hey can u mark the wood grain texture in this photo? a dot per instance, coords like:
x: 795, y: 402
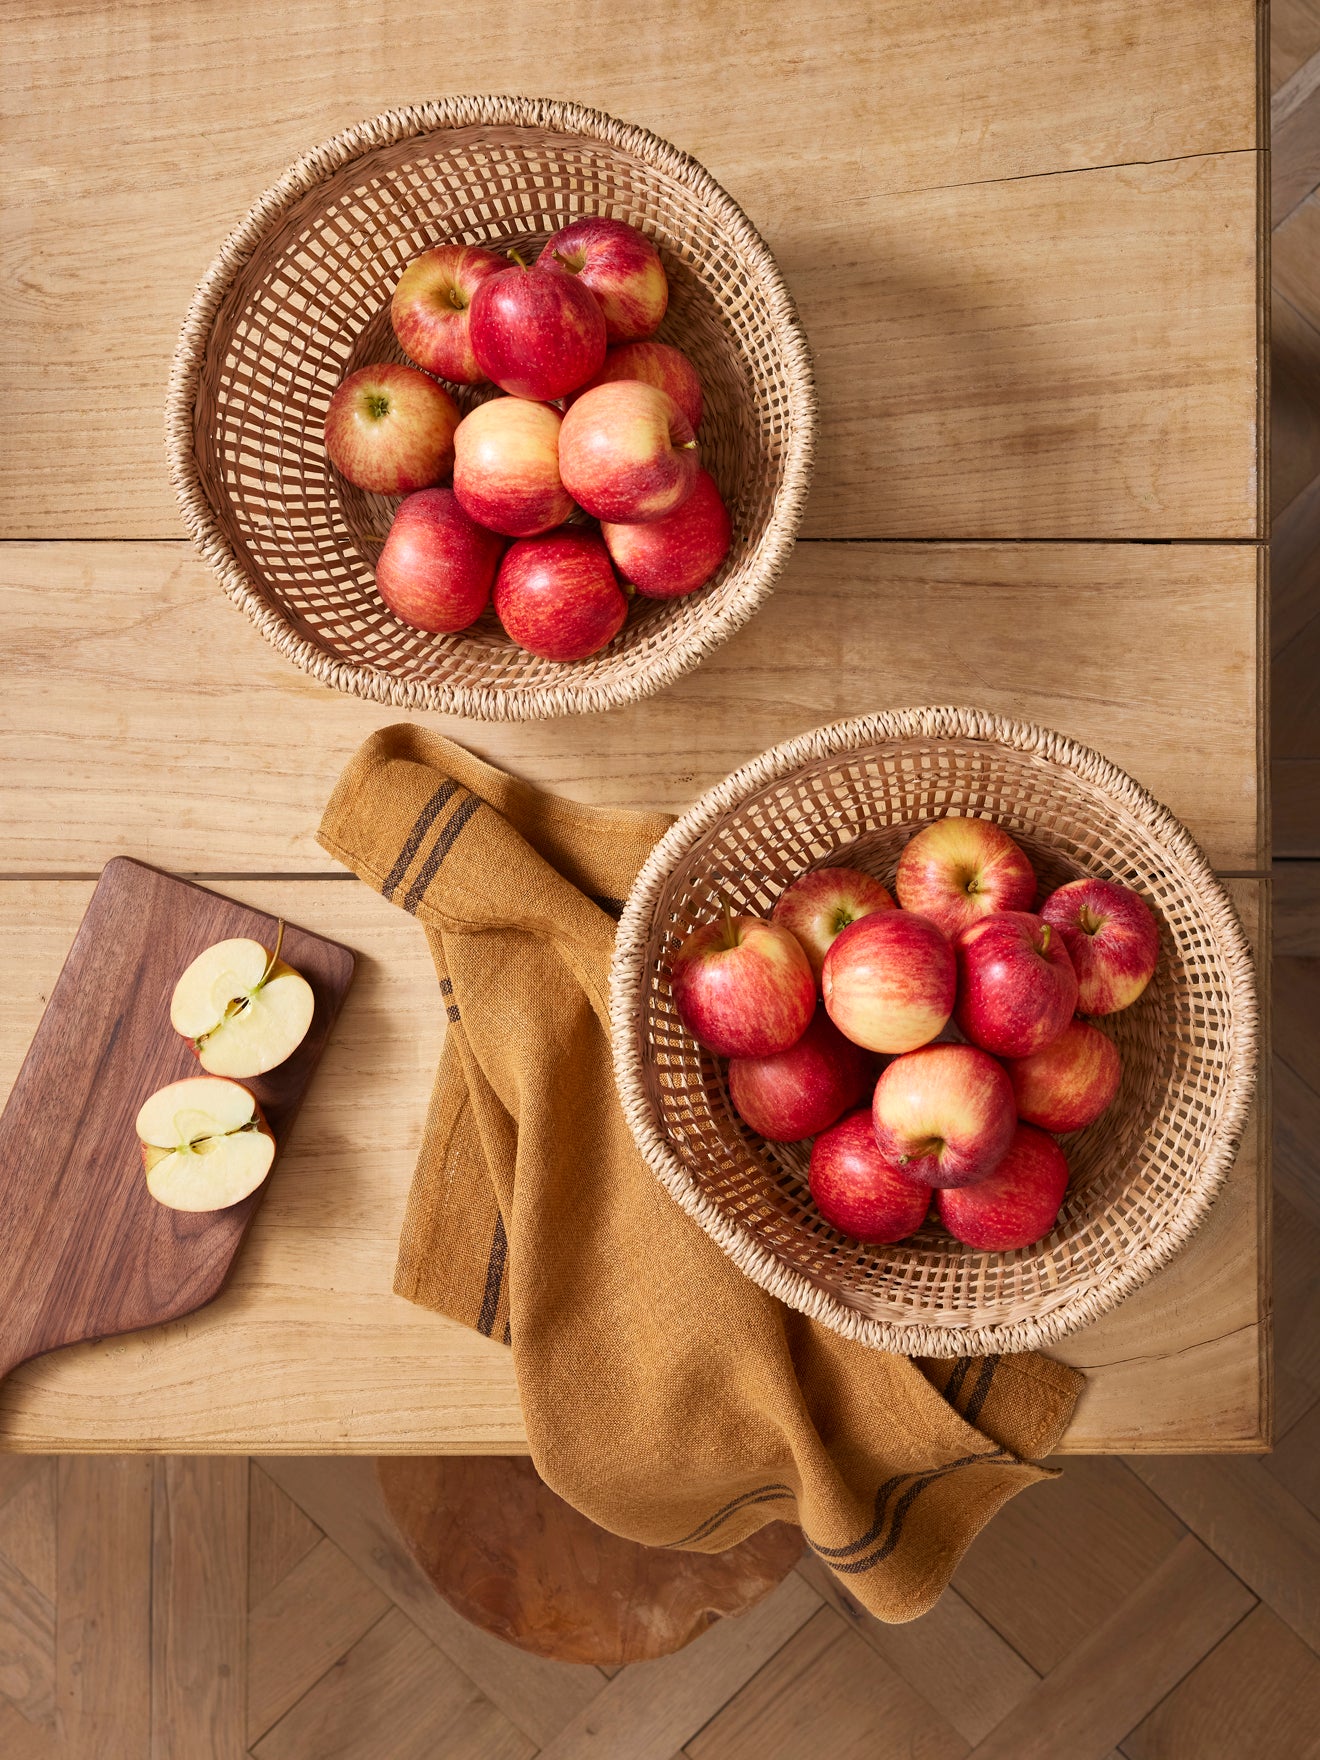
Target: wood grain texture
x: 27, y: 1529
x: 1058, y: 634
x: 1128, y: 1664
x: 279, y: 1536
x: 394, y: 1681
x: 516, y: 1560
x: 1256, y: 1693
x: 344, y: 1497
x: 1128, y: 306
x: 825, y: 1692
x: 103, y: 1638
x: 370, y: 1373
x: 88, y: 1252
x: 199, y: 1626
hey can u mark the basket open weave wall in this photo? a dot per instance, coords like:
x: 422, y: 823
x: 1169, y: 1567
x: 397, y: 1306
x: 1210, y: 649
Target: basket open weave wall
x: 299, y: 296
x: 1143, y: 1176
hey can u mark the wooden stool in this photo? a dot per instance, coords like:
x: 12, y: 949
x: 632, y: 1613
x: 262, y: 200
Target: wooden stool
x: 520, y: 1562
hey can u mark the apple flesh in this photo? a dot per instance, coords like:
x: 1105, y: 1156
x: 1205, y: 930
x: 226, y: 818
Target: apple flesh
x: 506, y: 467
x: 742, y: 987
x: 1016, y: 985
x: 889, y: 981
x: 795, y: 1093
x: 390, y: 430
x: 1018, y: 1204
x: 860, y: 1193
x: 678, y: 552
x: 654, y: 363
x: 205, y: 1144
x: 960, y: 869
x: 621, y: 267
x: 437, y: 567
x: 431, y: 309
x: 1112, y: 938
x: 626, y: 453
x: 1067, y: 1085
x: 537, y: 335
x: 817, y: 908
x: 242, y: 1009
x: 557, y: 596
x: 944, y: 1115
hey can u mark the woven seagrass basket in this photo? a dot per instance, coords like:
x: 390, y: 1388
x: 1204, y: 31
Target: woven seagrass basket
x: 299, y: 296
x: 1143, y: 1175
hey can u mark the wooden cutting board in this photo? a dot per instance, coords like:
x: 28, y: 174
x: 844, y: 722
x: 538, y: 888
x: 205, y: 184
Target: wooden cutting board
x: 85, y: 1250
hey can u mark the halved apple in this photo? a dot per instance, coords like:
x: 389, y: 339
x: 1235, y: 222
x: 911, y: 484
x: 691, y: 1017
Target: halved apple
x: 204, y: 1142
x: 243, y: 1008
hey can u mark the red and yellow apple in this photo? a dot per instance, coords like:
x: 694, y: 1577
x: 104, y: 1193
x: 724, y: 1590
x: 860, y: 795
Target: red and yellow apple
x: 680, y: 551
x: 1016, y: 986
x: 557, y: 596
x: 857, y: 1191
x: 819, y: 906
x: 506, y: 467
x: 889, y: 981
x: 795, y: 1093
x: 390, y: 429
x: 432, y: 306
x: 621, y: 267
x: 242, y: 1009
x: 944, y: 1115
x: 1067, y: 1084
x: 1112, y: 937
x: 437, y: 567
x: 959, y: 869
x: 1017, y: 1204
x: 742, y: 987
x: 626, y: 453
x: 537, y: 335
x: 655, y: 363
x: 205, y: 1144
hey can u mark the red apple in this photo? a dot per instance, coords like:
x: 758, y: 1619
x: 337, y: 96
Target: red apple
x: 431, y: 309
x: 889, y: 981
x: 1016, y: 985
x: 678, y: 552
x: 957, y: 870
x: 1067, y: 1085
x: 621, y: 267
x: 558, y: 597
x: 819, y: 907
x: 795, y: 1093
x: 626, y: 452
x: 944, y: 1115
x: 742, y: 987
x: 506, y: 467
x: 857, y: 1191
x: 535, y: 334
x: 390, y: 430
x: 655, y: 363
x: 1112, y: 937
x: 437, y: 567
x: 1017, y: 1204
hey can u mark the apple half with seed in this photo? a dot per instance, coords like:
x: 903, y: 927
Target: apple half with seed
x: 243, y: 1009
x: 205, y: 1144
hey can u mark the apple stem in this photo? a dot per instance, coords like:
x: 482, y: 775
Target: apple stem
x: 518, y: 258
x: 730, y: 932
x: 688, y: 446
x: 1045, y: 938
x: 273, y: 961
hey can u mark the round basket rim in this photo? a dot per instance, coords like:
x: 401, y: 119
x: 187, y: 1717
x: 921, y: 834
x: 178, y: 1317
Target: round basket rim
x: 917, y: 1338
x: 533, y: 701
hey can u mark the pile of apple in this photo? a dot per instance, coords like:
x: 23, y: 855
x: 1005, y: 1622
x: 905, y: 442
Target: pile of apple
x: 596, y: 421
x: 966, y: 1122
x: 205, y: 1141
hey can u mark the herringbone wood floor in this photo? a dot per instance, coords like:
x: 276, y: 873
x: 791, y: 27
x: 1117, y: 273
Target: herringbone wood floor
x: 1161, y: 1609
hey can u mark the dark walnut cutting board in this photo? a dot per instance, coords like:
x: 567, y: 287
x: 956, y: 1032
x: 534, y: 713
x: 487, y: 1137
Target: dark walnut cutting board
x: 85, y: 1250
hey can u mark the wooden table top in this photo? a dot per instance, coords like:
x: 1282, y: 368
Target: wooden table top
x: 1027, y: 246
